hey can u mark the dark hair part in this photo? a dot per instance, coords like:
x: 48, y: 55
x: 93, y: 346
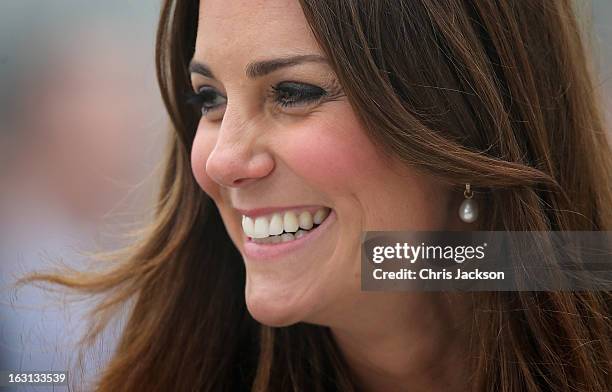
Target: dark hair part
x: 494, y: 93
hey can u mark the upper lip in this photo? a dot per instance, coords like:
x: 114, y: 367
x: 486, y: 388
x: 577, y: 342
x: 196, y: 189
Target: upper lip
x: 255, y: 212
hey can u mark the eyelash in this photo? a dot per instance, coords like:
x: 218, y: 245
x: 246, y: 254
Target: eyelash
x: 284, y: 94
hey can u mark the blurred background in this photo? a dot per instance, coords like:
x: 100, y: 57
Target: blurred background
x: 82, y: 130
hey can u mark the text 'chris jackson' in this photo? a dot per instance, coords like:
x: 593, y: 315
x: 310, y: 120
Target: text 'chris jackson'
x: 429, y: 274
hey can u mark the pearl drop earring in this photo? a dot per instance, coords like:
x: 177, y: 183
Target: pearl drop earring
x: 468, y: 210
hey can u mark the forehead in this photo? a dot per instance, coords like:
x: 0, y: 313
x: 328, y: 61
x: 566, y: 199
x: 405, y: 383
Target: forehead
x: 251, y: 29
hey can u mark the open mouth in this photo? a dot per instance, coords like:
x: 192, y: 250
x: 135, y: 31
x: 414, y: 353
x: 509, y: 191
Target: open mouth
x: 283, y: 226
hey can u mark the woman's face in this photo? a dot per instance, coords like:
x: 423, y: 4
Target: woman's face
x: 279, y: 146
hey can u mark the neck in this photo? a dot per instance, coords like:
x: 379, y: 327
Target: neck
x: 409, y: 341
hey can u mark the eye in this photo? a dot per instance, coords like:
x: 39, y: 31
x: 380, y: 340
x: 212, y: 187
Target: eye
x: 206, y: 99
x: 288, y: 94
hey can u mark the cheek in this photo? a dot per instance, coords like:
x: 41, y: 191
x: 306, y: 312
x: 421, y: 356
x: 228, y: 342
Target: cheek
x: 334, y: 154
x: 331, y: 152
x: 203, y: 145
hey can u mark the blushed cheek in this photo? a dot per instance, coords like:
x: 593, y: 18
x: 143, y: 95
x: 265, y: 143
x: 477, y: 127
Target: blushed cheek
x: 334, y: 154
x: 203, y: 145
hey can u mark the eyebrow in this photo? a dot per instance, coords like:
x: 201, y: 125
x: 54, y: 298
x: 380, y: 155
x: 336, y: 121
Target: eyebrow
x: 261, y: 68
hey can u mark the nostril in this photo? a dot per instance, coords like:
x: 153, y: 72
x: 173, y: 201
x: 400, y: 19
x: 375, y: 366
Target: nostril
x: 234, y: 168
x: 243, y: 181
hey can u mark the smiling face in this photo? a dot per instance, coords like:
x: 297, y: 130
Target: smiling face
x: 279, y: 147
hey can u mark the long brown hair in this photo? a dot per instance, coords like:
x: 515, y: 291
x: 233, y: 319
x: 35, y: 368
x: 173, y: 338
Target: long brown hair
x: 498, y: 94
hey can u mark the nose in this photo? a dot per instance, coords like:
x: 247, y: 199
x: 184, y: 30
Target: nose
x: 238, y: 157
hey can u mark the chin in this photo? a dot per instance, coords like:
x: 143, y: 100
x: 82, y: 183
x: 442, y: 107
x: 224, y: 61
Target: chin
x: 274, y: 309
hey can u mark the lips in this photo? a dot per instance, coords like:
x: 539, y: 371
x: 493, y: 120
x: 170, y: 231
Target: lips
x: 275, y: 246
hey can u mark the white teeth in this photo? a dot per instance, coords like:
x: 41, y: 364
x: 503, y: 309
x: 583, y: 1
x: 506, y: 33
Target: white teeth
x: 320, y: 215
x: 280, y: 223
x: 287, y: 237
x: 306, y: 220
x: 290, y: 222
x: 247, y: 226
x: 262, y: 228
x: 267, y: 240
x: 276, y: 224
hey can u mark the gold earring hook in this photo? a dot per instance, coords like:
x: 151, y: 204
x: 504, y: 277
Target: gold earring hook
x: 467, y: 193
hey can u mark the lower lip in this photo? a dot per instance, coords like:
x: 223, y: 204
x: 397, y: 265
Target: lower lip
x: 255, y: 251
